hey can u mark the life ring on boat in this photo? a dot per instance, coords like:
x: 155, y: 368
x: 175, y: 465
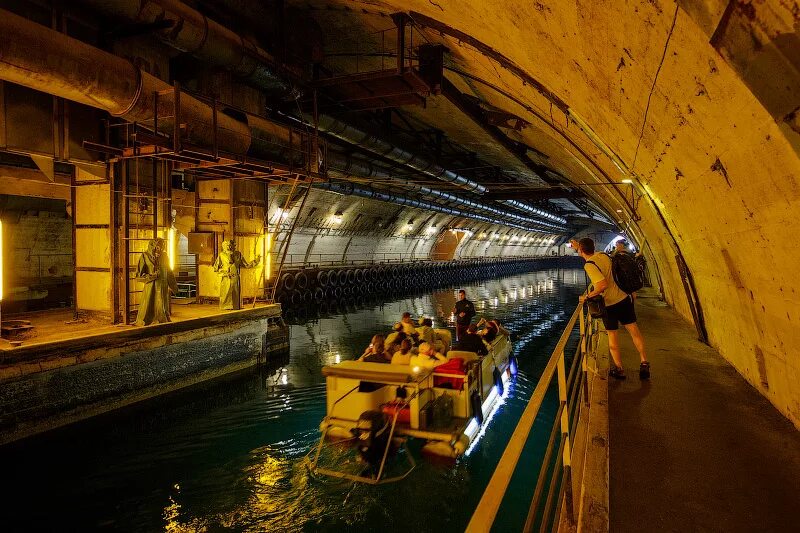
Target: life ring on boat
x: 301, y: 280
x: 477, y: 406
x: 498, y: 381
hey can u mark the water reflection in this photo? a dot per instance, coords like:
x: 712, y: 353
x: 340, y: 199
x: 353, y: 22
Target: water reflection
x: 228, y: 455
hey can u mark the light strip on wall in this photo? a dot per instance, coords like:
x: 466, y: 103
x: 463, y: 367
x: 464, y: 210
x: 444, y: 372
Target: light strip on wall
x: 268, y: 255
x: 171, y: 243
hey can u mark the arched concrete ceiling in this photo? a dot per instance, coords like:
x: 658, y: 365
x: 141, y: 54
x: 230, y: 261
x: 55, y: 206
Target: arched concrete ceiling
x: 695, y: 102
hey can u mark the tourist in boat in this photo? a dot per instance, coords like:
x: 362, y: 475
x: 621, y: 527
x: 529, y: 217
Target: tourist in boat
x: 394, y: 338
x: 375, y: 352
x: 472, y: 342
x: 408, y: 326
x: 425, y: 330
x: 427, y: 357
x: 403, y: 355
x: 442, y: 340
x: 491, y: 330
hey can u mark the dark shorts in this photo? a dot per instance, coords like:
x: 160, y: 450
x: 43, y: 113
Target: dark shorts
x: 619, y: 313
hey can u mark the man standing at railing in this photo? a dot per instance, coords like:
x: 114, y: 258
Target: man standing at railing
x: 464, y: 311
x: 618, y: 306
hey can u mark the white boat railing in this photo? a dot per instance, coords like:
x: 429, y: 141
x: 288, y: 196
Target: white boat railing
x: 555, y: 472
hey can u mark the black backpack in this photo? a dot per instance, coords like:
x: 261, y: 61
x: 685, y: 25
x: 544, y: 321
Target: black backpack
x: 626, y: 271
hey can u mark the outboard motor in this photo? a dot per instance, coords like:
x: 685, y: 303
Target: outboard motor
x: 372, y: 431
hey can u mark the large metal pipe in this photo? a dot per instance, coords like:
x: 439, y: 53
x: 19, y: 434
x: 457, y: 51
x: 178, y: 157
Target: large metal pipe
x: 378, y: 146
x: 194, y: 33
x: 346, y: 164
x: 45, y: 60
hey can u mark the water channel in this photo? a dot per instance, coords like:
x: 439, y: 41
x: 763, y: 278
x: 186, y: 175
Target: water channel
x: 229, y: 455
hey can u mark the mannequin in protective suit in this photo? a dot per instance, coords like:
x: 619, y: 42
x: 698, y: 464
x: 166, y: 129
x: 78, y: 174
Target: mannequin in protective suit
x: 153, y: 270
x: 228, y: 263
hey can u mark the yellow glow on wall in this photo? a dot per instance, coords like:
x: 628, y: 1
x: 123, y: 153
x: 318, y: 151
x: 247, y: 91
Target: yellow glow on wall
x: 267, y: 243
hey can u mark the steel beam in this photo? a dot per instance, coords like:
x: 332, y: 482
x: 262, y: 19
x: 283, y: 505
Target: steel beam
x: 473, y: 110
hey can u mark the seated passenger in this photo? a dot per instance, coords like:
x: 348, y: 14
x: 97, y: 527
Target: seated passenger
x: 472, y: 342
x: 393, y: 340
x: 442, y: 339
x: 425, y: 330
x: 427, y: 357
x: 408, y: 326
x: 403, y: 355
x: 489, y: 331
x: 375, y: 352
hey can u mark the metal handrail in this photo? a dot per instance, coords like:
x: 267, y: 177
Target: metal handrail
x: 572, y: 386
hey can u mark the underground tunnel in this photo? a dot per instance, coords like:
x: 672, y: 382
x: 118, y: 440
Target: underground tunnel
x: 215, y: 216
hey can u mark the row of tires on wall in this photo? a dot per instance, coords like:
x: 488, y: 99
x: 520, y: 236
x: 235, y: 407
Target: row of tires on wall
x: 302, y: 287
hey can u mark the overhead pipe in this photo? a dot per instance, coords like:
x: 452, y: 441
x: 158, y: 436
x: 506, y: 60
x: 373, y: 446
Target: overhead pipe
x: 534, y: 210
x: 46, y: 60
x: 346, y: 164
x: 376, y: 145
x: 194, y: 33
x: 43, y: 59
x: 350, y: 189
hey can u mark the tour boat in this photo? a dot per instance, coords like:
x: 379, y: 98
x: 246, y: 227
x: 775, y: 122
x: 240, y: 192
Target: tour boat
x: 378, y: 407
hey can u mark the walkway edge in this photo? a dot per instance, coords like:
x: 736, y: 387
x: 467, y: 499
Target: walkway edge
x: 593, y: 514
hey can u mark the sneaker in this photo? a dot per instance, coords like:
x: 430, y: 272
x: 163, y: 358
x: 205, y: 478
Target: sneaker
x: 644, y: 370
x: 617, y: 373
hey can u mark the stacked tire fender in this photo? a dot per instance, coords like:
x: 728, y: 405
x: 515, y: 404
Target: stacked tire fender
x: 332, y: 290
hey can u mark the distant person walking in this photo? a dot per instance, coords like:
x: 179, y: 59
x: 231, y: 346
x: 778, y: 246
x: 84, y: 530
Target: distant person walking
x: 618, y: 304
x: 464, y: 311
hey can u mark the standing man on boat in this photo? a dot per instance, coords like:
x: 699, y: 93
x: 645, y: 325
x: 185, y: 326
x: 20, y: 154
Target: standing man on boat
x: 618, y: 306
x: 464, y: 311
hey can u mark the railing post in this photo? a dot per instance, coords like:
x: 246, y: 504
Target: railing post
x: 563, y: 396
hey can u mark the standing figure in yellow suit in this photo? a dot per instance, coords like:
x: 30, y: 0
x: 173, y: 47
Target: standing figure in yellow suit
x: 228, y: 263
x: 153, y: 270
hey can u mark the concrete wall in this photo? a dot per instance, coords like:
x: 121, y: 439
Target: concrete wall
x: 377, y: 231
x: 636, y: 90
x: 47, y: 386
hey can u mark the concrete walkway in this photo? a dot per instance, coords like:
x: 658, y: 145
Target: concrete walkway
x: 696, y: 448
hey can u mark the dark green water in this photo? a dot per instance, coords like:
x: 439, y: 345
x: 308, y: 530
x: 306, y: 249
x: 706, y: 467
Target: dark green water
x: 229, y: 455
